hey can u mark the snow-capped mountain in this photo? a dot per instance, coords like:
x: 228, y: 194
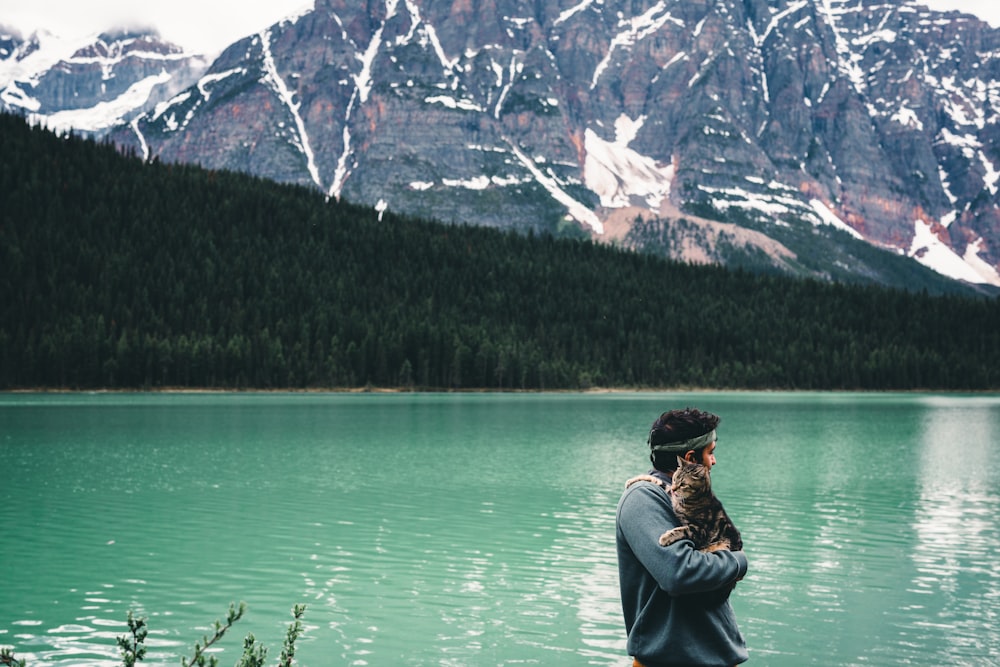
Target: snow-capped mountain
x: 616, y: 117
x: 91, y: 84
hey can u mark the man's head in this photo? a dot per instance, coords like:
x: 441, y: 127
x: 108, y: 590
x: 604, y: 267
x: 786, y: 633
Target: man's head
x: 687, y: 433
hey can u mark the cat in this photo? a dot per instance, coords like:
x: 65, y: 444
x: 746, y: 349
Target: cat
x: 703, y: 518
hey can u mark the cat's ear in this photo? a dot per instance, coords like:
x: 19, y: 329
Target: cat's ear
x: 681, y: 461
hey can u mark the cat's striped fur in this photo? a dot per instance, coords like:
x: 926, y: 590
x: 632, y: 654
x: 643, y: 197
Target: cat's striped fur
x: 703, y: 518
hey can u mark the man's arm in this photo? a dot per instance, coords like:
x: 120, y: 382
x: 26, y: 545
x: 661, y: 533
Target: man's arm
x: 679, y: 569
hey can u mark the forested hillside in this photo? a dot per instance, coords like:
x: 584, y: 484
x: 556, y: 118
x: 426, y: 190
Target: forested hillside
x: 115, y: 273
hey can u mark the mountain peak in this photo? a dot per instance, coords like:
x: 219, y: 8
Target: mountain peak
x: 90, y: 84
x: 795, y: 119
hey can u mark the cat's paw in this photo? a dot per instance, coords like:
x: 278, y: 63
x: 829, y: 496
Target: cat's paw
x: 671, y: 536
x: 721, y: 545
x: 643, y: 478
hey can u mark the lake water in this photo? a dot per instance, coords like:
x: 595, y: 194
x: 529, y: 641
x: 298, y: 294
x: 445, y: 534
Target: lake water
x: 478, y: 529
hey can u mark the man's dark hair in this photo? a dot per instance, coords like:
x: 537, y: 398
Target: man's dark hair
x: 677, y: 426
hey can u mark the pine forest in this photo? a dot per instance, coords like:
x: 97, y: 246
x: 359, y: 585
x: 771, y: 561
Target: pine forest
x: 120, y: 274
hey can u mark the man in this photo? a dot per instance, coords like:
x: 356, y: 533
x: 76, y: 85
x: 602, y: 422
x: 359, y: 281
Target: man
x: 675, y: 599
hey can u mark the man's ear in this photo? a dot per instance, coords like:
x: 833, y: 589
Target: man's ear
x: 689, y: 456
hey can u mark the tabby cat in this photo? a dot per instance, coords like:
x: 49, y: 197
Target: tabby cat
x: 703, y: 518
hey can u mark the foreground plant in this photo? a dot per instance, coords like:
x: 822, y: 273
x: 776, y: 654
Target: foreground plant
x: 7, y: 658
x: 133, y: 647
x: 254, y: 654
x: 235, y: 614
x: 294, y: 630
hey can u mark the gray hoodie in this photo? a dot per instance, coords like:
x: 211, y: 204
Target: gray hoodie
x: 675, y: 599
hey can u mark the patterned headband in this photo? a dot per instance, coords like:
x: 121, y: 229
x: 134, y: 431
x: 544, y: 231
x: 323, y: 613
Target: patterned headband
x: 684, y: 445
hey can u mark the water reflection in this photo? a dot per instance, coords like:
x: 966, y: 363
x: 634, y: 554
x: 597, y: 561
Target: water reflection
x: 479, y: 530
x: 866, y: 529
x: 89, y: 641
x: 956, y: 583
x: 490, y: 582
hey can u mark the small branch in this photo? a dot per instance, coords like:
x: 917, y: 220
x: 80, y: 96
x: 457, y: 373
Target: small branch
x: 133, y: 650
x: 294, y: 630
x: 199, y: 649
x: 7, y: 658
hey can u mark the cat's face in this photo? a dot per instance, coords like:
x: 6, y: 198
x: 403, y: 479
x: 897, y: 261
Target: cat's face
x: 690, y: 479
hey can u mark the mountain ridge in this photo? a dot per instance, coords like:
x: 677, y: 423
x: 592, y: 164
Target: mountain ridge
x: 90, y: 84
x: 124, y: 274
x: 877, y: 119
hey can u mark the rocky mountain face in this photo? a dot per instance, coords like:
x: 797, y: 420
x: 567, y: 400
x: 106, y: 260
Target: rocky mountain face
x: 636, y: 121
x: 90, y: 86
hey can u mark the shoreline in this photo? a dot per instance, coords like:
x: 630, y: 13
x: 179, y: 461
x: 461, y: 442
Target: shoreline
x: 409, y: 390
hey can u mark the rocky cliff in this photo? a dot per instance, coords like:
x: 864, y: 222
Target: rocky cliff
x: 603, y: 116
x: 91, y: 85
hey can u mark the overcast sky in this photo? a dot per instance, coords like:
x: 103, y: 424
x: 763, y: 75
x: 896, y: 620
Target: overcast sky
x: 208, y: 26
x: 987, y: 10
x: 204, y: 26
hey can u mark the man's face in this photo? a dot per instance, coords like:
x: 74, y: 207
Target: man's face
x: 705, y: 456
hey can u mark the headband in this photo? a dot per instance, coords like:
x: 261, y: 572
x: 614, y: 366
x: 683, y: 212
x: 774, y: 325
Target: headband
x: 684, y: 445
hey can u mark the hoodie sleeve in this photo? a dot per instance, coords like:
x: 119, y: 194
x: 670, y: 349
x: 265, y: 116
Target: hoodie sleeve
x: 644, y: 514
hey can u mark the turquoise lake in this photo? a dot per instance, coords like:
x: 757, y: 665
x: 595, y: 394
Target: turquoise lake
x: 478, y: 529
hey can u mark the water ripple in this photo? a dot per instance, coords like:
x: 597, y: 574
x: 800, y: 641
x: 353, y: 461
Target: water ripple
x: 453, y: 530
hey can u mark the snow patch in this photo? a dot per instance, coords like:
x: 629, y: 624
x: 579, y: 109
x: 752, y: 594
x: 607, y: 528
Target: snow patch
x: 778, y: 199
x: 967, y: 143
x: 363, y: 81
x: 979, y: 265
x: 164, y: 107
x: 770, y: 204
x: 362, y: 88
x: 206, y: 81
x: 514, y: 70
x: 568, y: 13
x: 430, y: 34
x: 475, y: 183
x: 452, y: 103
x: 19, y: 73
x: 828, y: 217
x: 907, y: 117
x: 883, y: 35
x: 143, y: 146
x: 992, y: 175
x: 104, y: 114
x: 849, y: 61
x: 576, y: 210
x: 635, y: 29
x: 619, y: 174
x: 946, y: 186
x: 627, y: 129
x: 791, y: 9
x: 274, y: 81
x: 51, y: 50
x: 930, y: 251
x: 15, y: 97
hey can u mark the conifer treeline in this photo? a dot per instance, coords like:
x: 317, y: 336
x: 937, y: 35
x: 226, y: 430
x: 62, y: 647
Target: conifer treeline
x: 119, y: 274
